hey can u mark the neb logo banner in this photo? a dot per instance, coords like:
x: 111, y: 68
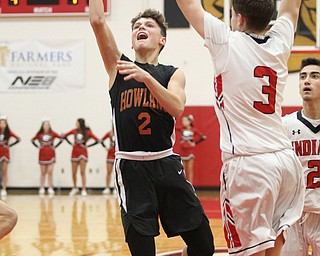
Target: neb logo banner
x: 32, y: 65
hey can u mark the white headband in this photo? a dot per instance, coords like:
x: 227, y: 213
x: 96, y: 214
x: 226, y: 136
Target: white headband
x: 45, y: 119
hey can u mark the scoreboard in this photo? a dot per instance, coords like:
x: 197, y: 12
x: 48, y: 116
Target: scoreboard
x: 47, y: 7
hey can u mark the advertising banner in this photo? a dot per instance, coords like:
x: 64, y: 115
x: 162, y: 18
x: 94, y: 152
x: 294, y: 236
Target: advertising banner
x: 46, y: 66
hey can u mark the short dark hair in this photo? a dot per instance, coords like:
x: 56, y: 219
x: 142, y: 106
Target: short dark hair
x: 257, y: 12
x: 156, y: 16
x: 309, y: 61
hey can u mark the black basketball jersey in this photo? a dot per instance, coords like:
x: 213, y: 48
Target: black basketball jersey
x: 141, y: 124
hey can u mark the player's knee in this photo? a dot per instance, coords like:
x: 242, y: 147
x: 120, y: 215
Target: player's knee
x: 11, y: 217
x: 8, y: 220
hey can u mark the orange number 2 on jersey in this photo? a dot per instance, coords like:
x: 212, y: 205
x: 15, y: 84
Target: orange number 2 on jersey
x: 270, y: 89
x: 145, y: 117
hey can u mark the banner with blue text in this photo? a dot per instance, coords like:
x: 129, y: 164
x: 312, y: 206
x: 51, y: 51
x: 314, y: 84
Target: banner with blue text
x: 42, y: 66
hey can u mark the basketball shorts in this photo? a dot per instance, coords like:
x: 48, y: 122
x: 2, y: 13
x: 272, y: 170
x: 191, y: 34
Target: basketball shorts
x: 151, y: 189
x: 261, y: 196
x: 302, y: 234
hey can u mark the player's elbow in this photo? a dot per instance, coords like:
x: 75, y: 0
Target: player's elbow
x: 9, y: 220
x: 178, y: 111
x: 96, y: 21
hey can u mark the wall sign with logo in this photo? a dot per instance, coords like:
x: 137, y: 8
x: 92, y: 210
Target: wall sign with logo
x: 32, y: 65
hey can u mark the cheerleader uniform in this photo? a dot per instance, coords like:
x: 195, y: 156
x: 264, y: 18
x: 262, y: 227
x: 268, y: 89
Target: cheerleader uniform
x: 47, y: 149
x: 189, y: 139
x: 79, y: 151
x: 111, y: 149
x: 4, y: 146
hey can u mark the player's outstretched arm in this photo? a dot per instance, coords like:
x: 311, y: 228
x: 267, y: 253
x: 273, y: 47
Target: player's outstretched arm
x: 194, y: 13
x: 105, y: 39
x: 290, y: 8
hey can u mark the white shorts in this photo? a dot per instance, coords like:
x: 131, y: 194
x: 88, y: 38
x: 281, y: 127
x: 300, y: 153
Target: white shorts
x: 302, y: 234
x: 261, y: 196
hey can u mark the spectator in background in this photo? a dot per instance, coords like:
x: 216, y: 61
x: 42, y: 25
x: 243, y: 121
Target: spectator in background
x: 110, y: 160
x: 79, y: 156
x: 5, y: 135
x: 190, y: 137
x: 47, y: 157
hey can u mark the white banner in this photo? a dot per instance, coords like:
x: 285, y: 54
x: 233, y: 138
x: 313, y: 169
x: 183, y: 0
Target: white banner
x: 47, y: 66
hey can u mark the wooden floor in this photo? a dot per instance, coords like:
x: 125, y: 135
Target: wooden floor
x: 77, y: 226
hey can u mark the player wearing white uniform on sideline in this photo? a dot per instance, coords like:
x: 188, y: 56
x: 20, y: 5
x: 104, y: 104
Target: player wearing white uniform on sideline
x: 304, y: 131
x: 261, y: 179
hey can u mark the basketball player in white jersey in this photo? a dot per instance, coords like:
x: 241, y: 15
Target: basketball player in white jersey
x: 304, y: 131
x: 261, y: 178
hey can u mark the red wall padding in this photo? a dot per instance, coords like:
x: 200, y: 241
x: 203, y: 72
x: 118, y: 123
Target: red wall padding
x: 207, y: 163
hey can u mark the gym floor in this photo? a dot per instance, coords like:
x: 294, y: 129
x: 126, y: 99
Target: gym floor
x: 83, y: 226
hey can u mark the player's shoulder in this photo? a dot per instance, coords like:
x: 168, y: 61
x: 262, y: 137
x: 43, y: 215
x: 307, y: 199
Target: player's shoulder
x: 290, y: 117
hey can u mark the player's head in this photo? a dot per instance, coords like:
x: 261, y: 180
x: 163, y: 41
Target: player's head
x: 309, y: 80
x: 251, y: 15
x: 149, y: 29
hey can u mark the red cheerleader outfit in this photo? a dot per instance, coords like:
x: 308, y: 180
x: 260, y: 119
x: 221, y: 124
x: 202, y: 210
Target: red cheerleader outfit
x: 47, y: 153
x: 79, y: 150
x: 4, y: 147
x: 111, y: 148
x: 189, y: 139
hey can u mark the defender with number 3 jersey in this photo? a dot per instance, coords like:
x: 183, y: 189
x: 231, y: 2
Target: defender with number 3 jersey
x: 261, y: 190
x: 256, y: 152
x: 257, y: 160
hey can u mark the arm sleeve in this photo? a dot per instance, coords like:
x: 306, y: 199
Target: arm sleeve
x: 107, y: 135
x: 14, y: 136
x: 69, y: 133
x: 92, y: 136
x: 56, y: 135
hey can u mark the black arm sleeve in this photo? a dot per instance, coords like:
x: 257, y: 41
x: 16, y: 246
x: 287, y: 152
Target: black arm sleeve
x: 14, y: 143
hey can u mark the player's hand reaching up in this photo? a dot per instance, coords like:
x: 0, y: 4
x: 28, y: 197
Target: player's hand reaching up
x: 131, y: 70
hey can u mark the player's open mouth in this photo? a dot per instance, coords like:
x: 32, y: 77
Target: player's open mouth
x: 307, y: 89
x: 142, y: 36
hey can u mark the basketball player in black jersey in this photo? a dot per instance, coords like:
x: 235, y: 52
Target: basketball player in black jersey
x: 146, y: 97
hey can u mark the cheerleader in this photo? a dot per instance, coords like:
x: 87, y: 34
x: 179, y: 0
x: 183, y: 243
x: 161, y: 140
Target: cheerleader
x: 110, y: 160
x: 190, y: 137
x: 5, y: 135
x: 79, y: 156
x: 44, y: 140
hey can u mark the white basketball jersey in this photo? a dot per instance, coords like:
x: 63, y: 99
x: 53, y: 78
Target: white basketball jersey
x: 305, y: 137
x: 249, y: 77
